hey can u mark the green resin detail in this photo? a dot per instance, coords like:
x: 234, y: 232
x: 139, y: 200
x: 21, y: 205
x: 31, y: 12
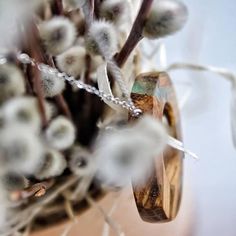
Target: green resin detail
x: 149, y: 86
x: 144, y: 86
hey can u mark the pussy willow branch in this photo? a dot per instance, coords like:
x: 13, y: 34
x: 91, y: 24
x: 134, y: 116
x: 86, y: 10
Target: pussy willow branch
x: 96, y: 8
x: 36, y: 53
x: 135, y: 35
x: 63, y: 105
x: 59, y: 98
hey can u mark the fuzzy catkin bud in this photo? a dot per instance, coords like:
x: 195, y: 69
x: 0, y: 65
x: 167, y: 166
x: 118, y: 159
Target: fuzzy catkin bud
x: 165, y: 18
x: 113, y: 10
x: 51, y: 85
x: 101, y: 39
x: 58, y: 34
x: 20, y: 150
x: 153, y: 129
x: 60, y: 133
x: 24, y: 111
x: 80, y: 161
x: 14, y: 181
x: 53, y: 165
x: 127, y: 154
x: 11, y: 82
x: 72, y: 61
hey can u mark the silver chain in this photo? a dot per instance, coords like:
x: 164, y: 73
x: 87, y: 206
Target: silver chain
x: 26, y: 59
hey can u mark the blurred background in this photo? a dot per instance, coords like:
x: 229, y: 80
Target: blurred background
x: 209, y: 38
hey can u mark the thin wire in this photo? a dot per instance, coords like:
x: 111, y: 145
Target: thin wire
x: 227, y: 74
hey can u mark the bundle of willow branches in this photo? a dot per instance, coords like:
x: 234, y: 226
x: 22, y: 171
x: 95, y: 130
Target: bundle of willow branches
x: 66, y: 70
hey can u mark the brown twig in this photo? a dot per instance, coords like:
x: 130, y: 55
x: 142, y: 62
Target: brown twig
x: 60, y: 98
x: 135, y: 35
x: 36, y: 190
x: 57, y: 7
x: 36, y: 53
x: 96, y: 8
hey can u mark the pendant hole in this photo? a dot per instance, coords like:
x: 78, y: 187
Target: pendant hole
x: 168, y: 120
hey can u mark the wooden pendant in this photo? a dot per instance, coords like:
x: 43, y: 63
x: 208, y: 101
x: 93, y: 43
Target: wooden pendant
x: 159, y: 198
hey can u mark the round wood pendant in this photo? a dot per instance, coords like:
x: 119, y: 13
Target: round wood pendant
x: 158, y: 200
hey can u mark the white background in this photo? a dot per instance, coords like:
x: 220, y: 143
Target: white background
x: 209, y: 38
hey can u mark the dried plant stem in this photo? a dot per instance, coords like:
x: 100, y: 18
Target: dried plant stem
x: 22, y: 219
x: 28, y: 229
x: 67, y: 229
x: 82, y: 188
x: 69, y: 209
x: 112, y: 210
x: 135, y: 35
x: 227, y: 74
x: 107, y: 218
x: 49, y: 210
x: 36, y: 190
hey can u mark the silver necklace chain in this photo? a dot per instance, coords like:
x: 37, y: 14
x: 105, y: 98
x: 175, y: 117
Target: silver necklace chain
x: 26, y: 59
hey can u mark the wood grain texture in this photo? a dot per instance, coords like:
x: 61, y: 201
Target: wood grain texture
x: 158, y: 200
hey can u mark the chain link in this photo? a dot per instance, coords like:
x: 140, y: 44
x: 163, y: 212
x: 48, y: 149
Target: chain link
x: 129, y: 105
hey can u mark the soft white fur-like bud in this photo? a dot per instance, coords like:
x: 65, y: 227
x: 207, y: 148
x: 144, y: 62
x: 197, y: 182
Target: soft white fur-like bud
x: 51, y: 84
x: 60, y: 133
x: 58, y: 34
x: 54, y: 163
x: 165, y: 18
x: 72, y: 61
x: 20, y: 149
x: 114, y: 10
x: 102, y: 39
x: 11, y: 82
x: 14, y: 181
x: 25, y: 111
x: 81, y: 161
x: 154, y: 130
x: 127, y: 154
